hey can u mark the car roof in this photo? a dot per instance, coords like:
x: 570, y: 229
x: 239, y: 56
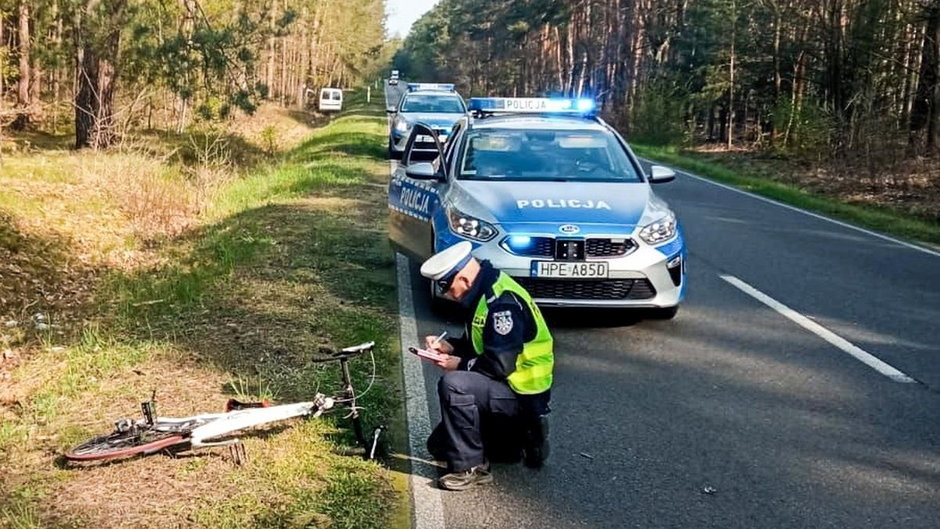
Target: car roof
x: 432, y: 92
x: 543, y: 122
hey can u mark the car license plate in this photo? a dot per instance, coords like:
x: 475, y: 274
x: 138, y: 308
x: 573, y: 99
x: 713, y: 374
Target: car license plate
x: 573, y: 270
x: 424, y: 138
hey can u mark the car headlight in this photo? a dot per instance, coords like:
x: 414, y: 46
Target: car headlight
x: 402, y: 125
x: 659, y: 231
x: 470, y: 227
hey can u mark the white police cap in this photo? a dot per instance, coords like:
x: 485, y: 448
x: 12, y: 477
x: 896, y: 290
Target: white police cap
x: 447, y: 262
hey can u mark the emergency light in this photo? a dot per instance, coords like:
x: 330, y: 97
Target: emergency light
x: 533, y: 105
x: 447, y: 87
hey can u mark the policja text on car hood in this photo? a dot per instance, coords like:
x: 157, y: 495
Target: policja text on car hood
x: 531, y: 202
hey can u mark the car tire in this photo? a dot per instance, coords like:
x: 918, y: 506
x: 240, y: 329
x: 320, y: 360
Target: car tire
x: 665, y: 313
x: 392, y: 154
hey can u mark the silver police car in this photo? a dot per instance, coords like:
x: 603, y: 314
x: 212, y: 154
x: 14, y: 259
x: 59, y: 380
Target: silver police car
x: 551, y: 195
x: 434, y: 104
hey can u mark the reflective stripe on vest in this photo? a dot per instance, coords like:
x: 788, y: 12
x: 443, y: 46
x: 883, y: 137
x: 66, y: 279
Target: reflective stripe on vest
x: 533, y: 372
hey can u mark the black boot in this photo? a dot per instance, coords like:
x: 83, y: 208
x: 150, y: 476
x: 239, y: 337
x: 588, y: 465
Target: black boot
x: 536, y: 442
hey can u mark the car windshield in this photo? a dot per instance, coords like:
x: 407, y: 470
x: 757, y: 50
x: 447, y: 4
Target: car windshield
x: 443, y: 104
x: 545, y: 155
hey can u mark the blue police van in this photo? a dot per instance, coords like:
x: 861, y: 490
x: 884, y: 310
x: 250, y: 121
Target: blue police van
x: 551, y: 195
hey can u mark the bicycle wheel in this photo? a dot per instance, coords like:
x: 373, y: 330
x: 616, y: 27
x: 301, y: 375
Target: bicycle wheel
x: 126, y: 444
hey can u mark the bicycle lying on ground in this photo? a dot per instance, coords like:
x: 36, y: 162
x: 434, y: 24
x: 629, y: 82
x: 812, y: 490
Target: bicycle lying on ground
x: 154, y: 434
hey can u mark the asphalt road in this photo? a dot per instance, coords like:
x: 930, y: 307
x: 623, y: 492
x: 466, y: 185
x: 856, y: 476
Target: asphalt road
x: 731, y: 415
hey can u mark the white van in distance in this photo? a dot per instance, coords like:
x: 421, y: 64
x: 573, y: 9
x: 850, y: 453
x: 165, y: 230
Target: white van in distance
x: 331, y: 100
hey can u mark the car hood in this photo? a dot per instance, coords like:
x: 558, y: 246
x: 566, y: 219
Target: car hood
x: 545, y: 206
x: 435, y: 120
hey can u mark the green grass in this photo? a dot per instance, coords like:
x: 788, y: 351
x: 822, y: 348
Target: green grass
x: 872, y: 217
x: 288, y: 257
x: 21, y: 511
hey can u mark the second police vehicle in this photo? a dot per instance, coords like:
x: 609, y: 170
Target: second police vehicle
x: 552, y: 196
x: 434, y: 104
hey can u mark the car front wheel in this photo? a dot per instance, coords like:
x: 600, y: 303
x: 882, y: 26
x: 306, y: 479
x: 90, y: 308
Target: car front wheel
x: 392, y: 155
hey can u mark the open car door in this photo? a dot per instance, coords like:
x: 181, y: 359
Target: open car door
x: 414, y: 193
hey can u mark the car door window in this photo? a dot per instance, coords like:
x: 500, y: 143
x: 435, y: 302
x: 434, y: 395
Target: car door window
x: 450, y: 148
x: 418, y: 130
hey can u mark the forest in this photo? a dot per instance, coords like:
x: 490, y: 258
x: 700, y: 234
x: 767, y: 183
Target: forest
x: 102, y: 67
x: 839, y: 80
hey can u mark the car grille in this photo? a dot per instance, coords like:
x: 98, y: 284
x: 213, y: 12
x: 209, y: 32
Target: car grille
x: 608, y: 248
x: 600, y: 289
x: 545, y: 247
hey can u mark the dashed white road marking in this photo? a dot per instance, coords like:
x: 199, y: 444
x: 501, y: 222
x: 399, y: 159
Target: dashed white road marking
x: 824, y: 333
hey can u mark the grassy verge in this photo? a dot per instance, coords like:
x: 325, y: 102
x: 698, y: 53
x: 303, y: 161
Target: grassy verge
x: 877, y: 218
x: 287, y: 257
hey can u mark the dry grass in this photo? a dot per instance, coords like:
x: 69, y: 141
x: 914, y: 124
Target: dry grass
x: 167, y: 268
x: 66, y: 215
x: 910, y: 185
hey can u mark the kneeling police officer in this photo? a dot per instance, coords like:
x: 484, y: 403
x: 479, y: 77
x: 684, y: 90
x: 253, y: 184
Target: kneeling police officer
x: 498, y: 373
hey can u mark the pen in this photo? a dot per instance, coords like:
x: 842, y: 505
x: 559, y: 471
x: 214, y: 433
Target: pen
x: 439, y: 338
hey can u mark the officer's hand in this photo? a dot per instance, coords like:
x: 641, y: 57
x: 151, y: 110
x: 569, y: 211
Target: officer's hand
x: 443, y: 346
x: 448, y: 362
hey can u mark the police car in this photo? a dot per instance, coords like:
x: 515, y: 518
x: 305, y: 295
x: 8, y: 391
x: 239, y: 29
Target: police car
x: 434, y: 104
x: 551, y: 195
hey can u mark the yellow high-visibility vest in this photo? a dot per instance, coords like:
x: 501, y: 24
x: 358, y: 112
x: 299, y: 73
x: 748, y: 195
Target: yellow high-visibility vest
x: 533, y: 372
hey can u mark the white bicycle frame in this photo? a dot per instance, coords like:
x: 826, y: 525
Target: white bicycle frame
x: 222, y: 424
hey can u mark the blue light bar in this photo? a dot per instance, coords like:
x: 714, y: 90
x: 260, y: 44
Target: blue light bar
x: 447, y: 87
x: 533, y: 105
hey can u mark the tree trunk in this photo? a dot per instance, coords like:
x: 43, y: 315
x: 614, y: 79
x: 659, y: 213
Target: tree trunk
x: 925, y: 114
x: 23, y: 102
x: 57, y: 71
x: 97, y: 77
x: 3, y: 60
x: 731, y: 72
x: 272, y: 50
x: 35, y: 89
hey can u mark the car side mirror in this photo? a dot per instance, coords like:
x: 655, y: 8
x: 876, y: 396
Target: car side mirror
x: 390, y: 110
x: 660, y: 174
x: 422, y: 171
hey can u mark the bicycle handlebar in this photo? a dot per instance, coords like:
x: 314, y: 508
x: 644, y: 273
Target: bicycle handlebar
x: 356, y: 349
x: 346, y: 352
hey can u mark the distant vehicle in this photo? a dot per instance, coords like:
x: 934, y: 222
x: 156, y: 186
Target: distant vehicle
x: 552, y: 196
x: 331, y: 100
x: 393, y: 79
x: 434, y: 104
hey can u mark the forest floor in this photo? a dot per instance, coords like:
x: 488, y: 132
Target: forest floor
x: 903, y: 200
x: 204, y: 265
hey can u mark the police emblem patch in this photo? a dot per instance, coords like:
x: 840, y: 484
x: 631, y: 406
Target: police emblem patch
x: 502, y: 322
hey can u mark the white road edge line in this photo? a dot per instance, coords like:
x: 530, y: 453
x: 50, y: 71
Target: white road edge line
x: 824, y: 333
x: 427, y: 505
x: 428, y: 508
x: 810, y: 213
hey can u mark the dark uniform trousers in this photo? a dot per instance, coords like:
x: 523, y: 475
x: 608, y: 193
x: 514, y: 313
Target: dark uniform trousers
x: 476, y: 412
